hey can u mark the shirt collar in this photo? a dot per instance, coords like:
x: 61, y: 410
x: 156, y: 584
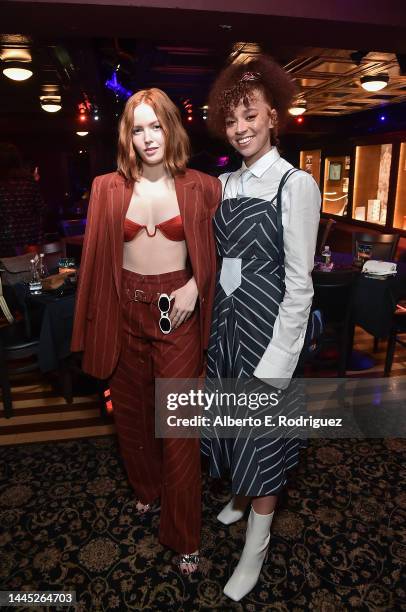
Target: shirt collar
x: 262, y: 164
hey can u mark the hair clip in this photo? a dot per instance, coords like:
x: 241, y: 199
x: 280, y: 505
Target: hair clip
x: 250, y: 76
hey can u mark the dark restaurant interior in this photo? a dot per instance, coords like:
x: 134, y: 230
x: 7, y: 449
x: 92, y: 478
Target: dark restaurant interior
x: 66, y: 506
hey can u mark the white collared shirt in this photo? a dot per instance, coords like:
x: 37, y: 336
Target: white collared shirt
x: 300, y: 220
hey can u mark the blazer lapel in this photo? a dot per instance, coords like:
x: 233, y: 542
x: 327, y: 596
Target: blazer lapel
x: 188, y: 199
x: 186, y: 195
x: 119, y: 197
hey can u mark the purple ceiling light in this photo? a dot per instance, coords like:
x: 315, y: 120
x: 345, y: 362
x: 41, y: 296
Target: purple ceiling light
x: 115, y: 86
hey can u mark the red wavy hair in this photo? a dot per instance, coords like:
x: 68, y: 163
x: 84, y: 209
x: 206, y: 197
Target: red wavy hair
x: 177, y: 146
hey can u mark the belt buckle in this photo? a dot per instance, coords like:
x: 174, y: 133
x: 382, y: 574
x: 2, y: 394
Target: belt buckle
x: 136, y: 298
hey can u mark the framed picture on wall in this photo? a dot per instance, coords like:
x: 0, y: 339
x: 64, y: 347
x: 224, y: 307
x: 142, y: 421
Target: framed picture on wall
x: 334, y: 171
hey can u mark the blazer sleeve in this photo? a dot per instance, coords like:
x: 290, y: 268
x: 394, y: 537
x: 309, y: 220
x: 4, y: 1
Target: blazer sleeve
x: 86, y: 270
x: 301, y: 201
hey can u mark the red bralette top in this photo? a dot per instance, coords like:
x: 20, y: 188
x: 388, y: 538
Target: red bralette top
x: 171, y: 229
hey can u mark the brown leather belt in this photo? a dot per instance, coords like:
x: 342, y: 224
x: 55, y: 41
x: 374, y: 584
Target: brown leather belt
x: 142, y: 296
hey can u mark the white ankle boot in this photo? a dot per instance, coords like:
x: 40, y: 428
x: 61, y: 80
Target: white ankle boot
x: 233, y: 511
x: 247, y: 572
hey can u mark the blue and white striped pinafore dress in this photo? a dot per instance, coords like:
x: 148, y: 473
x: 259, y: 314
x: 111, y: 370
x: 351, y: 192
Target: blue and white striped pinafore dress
x: 242, y: 327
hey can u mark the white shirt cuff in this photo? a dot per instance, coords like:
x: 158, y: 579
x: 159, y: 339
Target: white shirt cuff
x: 276, y: 367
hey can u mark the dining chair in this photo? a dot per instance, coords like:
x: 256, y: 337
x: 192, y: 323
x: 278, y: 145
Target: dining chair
x: 398, y: 328
x: 333, y: 295
x: 323, y: 234
x: 383, y: 246
x: 53, y: 252
x: 73, y: 227
x: 5, y: 384
x: 16, y: 345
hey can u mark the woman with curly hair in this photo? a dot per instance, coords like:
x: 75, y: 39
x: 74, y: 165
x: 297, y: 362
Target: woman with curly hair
x: 259, y: 319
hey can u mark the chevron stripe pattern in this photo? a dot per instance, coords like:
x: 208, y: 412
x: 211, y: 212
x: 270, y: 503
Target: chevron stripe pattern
x: 242, y: 327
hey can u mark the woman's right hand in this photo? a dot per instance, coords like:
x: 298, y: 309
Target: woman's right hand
x: 184, y: 303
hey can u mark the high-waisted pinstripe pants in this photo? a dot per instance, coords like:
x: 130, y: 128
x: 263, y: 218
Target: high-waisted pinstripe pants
x: 168, y: 469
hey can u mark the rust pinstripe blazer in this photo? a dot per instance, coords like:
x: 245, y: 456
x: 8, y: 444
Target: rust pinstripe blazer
x: 97, y: 323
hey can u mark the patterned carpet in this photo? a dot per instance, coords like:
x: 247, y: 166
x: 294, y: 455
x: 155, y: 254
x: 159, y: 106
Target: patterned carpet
x: 338, y: 542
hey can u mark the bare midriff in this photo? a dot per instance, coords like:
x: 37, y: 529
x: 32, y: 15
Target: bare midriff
x: 147, y: 254
x: 149, y: 249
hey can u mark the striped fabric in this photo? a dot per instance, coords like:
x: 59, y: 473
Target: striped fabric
x: 97, y: 324
x: 168, y: 469
x: 242, y: 327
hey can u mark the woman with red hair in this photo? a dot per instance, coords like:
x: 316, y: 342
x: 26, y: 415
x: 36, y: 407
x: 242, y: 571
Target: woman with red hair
x: 144, y: 303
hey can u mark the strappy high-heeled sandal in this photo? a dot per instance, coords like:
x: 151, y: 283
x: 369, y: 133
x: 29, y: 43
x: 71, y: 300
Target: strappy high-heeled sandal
x: 189, y: 563
x: 142, y: 508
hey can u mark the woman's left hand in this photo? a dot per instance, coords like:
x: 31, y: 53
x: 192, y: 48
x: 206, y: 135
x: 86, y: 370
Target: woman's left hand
x: 184, y: 303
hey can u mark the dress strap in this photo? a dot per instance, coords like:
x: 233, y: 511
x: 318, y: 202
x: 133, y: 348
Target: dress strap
x: 279, y: 226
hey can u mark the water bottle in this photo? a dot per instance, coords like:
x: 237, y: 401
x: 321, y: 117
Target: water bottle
x: 42, y: 268
x: 326, y: 264
x: 326, y: 256
x: 35, y: 282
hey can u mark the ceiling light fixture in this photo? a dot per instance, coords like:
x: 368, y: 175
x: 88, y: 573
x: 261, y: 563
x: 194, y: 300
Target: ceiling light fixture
x: 82, y: 133
x: 375, y: 82
x: 116, y: 87
x: 298, y: 108
x: 17, y: 70
x: 51, y: 104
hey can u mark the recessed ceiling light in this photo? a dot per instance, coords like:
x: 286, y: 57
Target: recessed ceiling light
x: 82, y: 133
x: 16, y: 70
x: 298, y: 108
x: 51, y: 108
x: 50, y: 104
x: 375, y: 82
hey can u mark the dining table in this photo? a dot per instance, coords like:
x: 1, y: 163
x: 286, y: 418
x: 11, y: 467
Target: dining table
x: 50, y: 317
x: 375, y: 297
x: 373, y: 302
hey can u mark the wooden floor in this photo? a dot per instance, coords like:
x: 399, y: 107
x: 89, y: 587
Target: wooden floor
x: 41, y: 415
x: 364, y: 342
